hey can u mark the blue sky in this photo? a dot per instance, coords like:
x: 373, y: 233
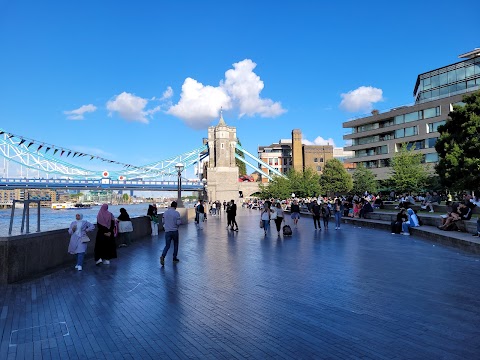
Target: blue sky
x: 138, y: 82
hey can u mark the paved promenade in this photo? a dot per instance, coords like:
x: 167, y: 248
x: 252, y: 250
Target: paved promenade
x: 354, y: 293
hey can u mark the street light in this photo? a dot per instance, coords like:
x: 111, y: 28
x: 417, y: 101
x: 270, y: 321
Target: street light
x: 204, y: 181
x: 179, y: 168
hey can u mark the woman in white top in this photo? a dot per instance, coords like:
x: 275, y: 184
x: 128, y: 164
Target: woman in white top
x: 265, y: 217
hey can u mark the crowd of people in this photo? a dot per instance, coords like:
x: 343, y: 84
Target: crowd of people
x: 109, y: 226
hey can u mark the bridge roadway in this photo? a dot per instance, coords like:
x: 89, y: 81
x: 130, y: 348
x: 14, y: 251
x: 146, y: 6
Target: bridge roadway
x: 99, y: 184
x: 350, y: 293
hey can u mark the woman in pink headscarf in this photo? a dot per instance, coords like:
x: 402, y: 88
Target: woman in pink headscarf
x: 105, y: 248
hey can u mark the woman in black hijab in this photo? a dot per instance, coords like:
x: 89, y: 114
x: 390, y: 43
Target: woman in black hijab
x: 125, y: 227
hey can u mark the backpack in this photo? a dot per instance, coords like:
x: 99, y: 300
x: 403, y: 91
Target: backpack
x: 287, y: 230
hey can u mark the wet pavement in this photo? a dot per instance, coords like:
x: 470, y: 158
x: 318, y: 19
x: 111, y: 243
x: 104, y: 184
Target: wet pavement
x: 336, y: 294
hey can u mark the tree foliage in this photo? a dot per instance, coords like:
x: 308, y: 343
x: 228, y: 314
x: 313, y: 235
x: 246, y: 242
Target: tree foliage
x: 458, y: 146
x: 409, y: 174
x: 364, y: 180
x: 302, y: 184
x: 242, y: 168
x: 335, y: 179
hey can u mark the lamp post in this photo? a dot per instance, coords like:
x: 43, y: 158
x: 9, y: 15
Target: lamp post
x: 179, y: 167
x: 204, y: 181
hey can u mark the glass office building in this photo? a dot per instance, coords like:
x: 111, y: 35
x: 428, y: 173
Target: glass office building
x: 376, y: 138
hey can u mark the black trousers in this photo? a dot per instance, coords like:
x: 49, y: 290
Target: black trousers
x: 316, y: 220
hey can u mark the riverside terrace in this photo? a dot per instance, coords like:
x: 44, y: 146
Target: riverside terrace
x: 350, y: 293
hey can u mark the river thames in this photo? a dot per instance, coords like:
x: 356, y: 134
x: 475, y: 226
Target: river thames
x: 61, y: 219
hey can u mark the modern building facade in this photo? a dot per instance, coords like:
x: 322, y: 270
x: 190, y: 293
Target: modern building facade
x: 376, y: 138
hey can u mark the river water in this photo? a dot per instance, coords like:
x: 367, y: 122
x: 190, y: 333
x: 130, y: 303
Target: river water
x: 61, y: 219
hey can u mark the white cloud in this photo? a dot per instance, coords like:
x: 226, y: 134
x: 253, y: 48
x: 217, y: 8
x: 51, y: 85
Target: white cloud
x: 319, y: 141
x: 361, y: 99
x: 199, y: 104
x: 167, y: 94
x: 129, y: 107
x: 244, y: 86
x: 78, y: 114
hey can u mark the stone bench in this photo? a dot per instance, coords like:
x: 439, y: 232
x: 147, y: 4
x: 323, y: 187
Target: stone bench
x: 456, y: 239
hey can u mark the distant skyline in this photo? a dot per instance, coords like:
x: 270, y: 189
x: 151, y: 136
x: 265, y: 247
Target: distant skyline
x: 141, y: 82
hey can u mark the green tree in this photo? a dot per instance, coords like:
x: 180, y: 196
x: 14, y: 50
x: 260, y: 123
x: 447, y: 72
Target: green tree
x: 125, y: 197
x: 335, y: 179
x: 303, y: 184
x: 364, y: 180
x: 409, y: 174
x: 242, y: 168
x: 278, y: 188
x: 458, y: 146
x: 309, y: 184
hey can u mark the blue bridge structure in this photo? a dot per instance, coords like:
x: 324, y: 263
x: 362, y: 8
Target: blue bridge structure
x: 45, y: 167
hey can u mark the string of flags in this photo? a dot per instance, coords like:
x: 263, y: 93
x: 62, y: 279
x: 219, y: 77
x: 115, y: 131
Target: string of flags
x: 31, y: 144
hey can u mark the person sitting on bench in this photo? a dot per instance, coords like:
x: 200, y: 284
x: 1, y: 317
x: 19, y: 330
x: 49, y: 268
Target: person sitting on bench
x: 435, y: 199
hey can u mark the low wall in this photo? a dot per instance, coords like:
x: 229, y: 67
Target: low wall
x: 28, y: 255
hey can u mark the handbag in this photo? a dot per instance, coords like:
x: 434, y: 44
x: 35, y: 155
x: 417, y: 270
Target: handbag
x: 84, y: 239
x: 261, y: 224
x: 125, y: 226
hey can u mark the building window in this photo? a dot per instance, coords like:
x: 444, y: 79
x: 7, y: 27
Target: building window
x: 433, y: 127
x: 430, y: 143
x: 430, y: 158
x: 319, y: 168
x: 321, y: 159
x: 432, y: 112
x: 315, y: 160
x: 410, y: 131
x: 222, y: 146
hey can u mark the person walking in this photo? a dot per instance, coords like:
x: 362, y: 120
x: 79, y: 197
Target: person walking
x: 265, y: 217
x: 337, y: 212
x: 326, y: 215
x: 232, y: 212
x: 295, y: 210
x: 105, y: 248
x: 201, y: 215
x: 79, y: 239
x: 171, y: 220
x: 280, y: 217
x: 315, y: 210
x: 152, y: 214
x: 125, y: 227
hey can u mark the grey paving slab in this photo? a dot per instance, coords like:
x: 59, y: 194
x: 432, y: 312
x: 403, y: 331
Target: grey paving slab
x: 338, y: 294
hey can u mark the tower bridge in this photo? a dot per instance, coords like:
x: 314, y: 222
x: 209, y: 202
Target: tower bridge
x: 214, y: 162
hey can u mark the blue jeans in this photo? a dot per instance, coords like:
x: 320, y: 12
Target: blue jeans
x: 266, y: 225
x: 80, y: 257
x: 338, y: 217
x: 478, y: 226
x: 169, y: 236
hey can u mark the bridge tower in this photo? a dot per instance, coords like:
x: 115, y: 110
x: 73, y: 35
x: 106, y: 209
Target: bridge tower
x: 222, y: 172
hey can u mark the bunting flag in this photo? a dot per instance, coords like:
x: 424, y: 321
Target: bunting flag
x: 47, y: 147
